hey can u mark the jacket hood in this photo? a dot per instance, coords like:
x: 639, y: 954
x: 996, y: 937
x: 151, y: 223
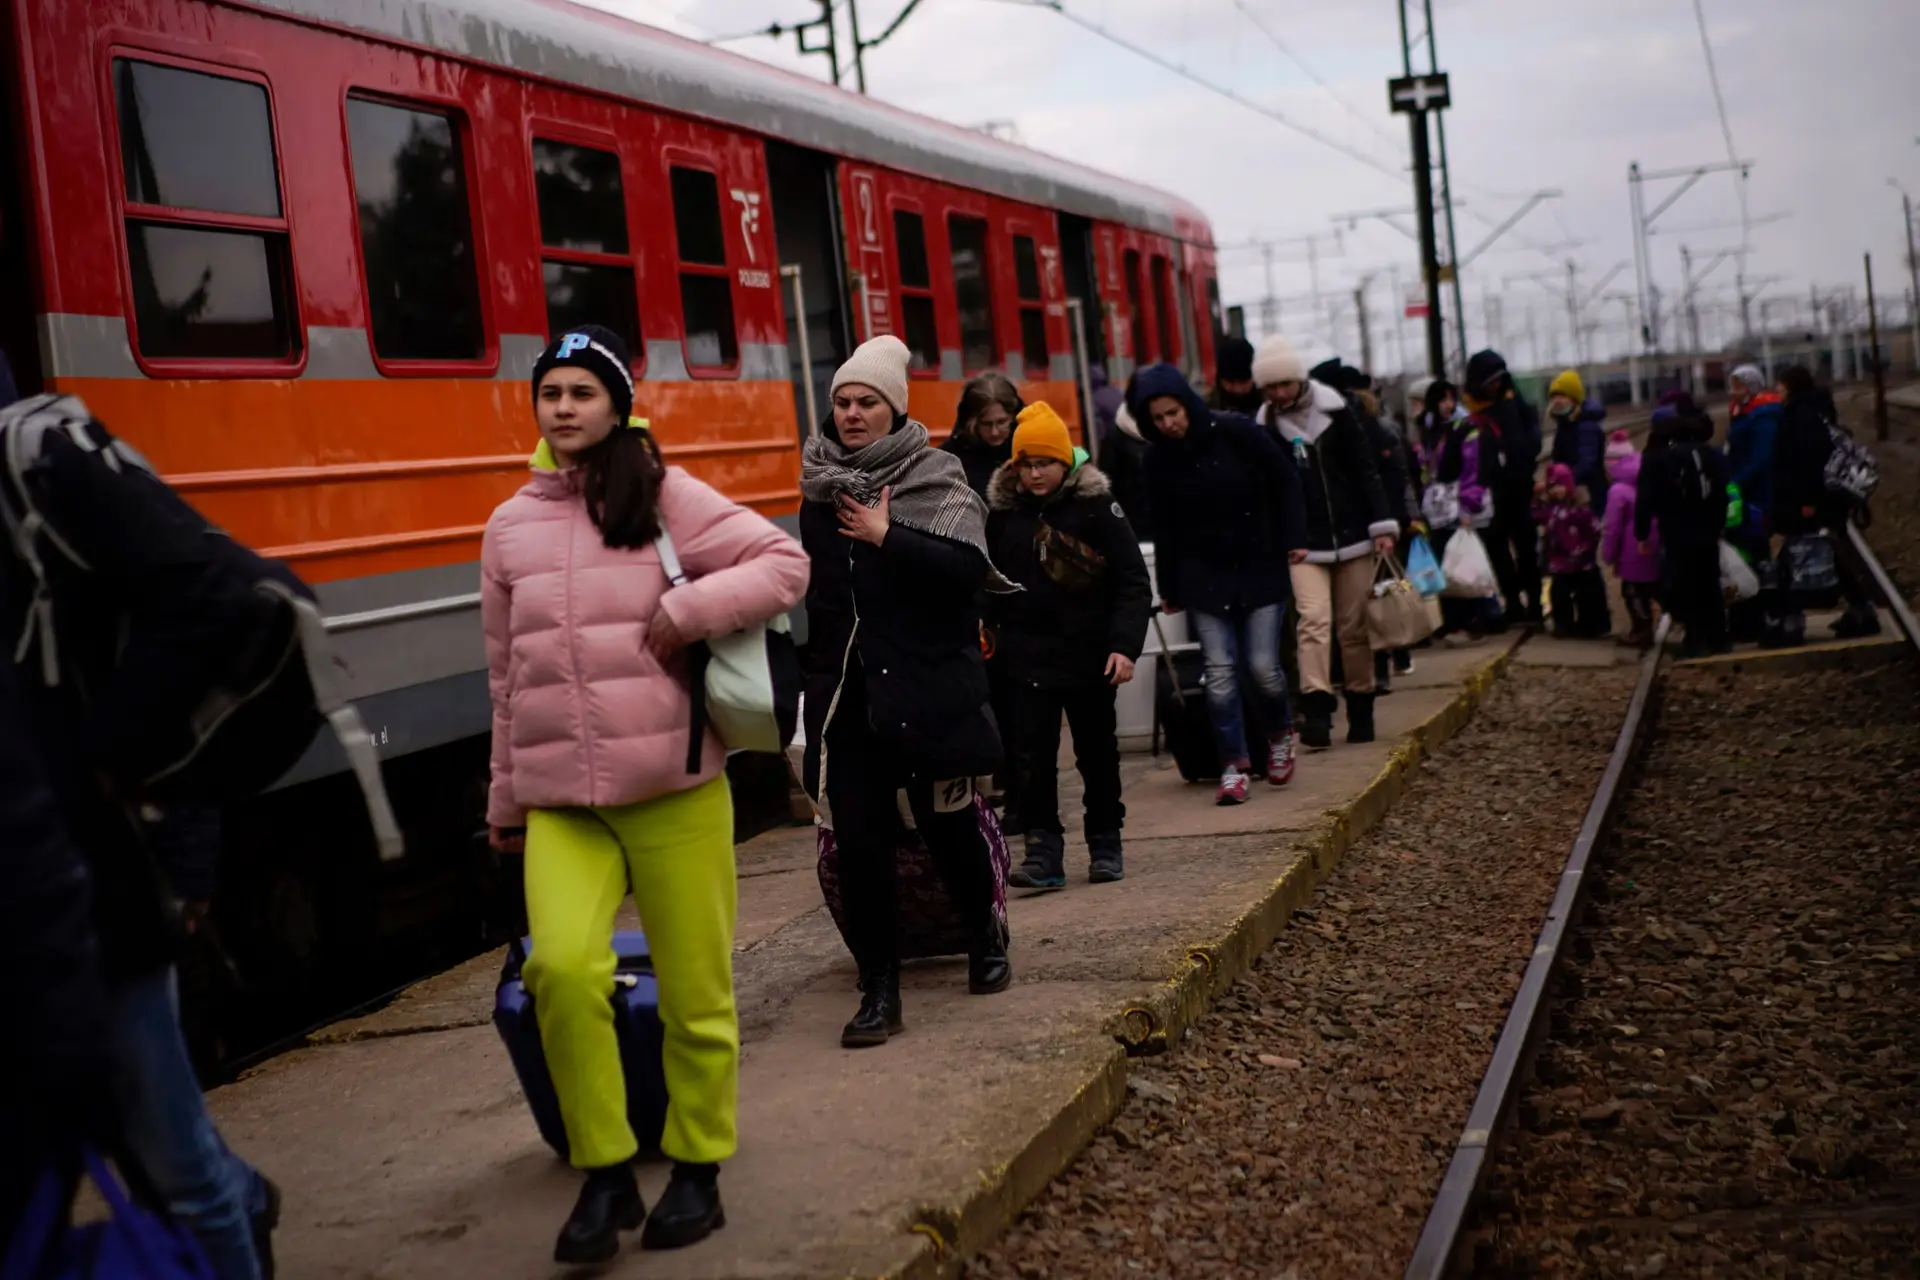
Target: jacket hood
x: 1155, y: 381
x: 970, y: 445
x: 1624, y: 470
x: 1085, y: 481
x: 1592, y: 411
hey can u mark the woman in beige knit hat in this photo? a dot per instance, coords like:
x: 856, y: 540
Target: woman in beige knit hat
x: 896, y: 692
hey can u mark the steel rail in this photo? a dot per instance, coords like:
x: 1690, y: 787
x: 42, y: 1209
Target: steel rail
x: 1896, y: 603
x: 1434, y: 1255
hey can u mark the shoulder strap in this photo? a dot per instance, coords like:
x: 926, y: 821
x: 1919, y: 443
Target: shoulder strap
x: 698, y: 655
x: 24, y: 428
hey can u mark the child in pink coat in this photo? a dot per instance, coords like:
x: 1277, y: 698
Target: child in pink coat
x: 1637, y: 569
x: 591, y: 716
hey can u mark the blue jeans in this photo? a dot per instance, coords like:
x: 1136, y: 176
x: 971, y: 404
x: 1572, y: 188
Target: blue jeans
x: 1248, y: 638
x: 213, y: 1192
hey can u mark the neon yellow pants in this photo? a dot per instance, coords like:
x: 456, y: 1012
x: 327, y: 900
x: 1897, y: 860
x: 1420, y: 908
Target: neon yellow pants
x: 677, y: 852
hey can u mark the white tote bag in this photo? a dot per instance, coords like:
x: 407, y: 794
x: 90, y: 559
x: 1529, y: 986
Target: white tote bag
x: 746, y: 685
x: 1738, y: 581
x: 1469, y: 572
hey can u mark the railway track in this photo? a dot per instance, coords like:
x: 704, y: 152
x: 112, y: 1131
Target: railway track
x: 1546, y: 1175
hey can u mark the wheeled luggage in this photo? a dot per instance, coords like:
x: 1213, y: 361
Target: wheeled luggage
x: 929, y: 923
x: 636, y: 1024
x: 1186, y: 726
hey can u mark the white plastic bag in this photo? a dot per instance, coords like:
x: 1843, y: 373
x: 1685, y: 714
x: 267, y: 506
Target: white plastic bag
x: 1737, y: 578
x: 1469, y: 572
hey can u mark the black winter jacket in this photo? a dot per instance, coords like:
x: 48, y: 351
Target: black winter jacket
x: 1393, y: 458
x: 144, y: 634
x: 1087, y: 594
x: 1343, y: 502
x: 1517, y: 442
x: 979, y: 458
x: 916, y: 647
x: 1226, y: 505
x: 1683, y: 489
x: 1801, y: 446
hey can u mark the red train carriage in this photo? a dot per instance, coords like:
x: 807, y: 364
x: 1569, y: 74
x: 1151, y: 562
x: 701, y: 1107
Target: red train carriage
x: 304, y: 252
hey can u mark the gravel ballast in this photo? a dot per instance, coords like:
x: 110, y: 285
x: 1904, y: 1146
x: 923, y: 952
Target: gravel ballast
x: 1303, y: 1127
x: 1733, y: 1087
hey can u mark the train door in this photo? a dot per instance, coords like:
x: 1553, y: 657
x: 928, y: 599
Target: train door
x: 19, y: 340
x: 1076, y: 257
x: 806, y: 210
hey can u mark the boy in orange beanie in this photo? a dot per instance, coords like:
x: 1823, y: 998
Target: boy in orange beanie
x: 1070, y: 639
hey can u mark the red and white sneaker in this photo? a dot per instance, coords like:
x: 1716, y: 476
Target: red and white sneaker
x: 1280, y: 761
x: 1233, y: 787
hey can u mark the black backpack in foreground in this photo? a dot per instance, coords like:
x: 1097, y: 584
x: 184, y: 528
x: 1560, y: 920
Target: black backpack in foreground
x: 268, y: 665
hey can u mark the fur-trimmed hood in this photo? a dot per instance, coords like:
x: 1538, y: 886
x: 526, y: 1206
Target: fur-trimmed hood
x: 1086, y: 481
x: 1306, y: 420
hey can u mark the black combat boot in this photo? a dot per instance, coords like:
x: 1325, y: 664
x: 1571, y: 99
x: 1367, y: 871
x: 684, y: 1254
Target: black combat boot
x: 1316, y: 720
x: 1360, y: 717
x: 609, y: 1203
x: 689, y: 1210
x: 1104, y: 864
x: 879, y: 1015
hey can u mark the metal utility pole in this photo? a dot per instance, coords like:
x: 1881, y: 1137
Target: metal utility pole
x: 1873, y: 353
x: 1446, y: 197
x: 1270, y: 304
x: 1360, y: 318
x: 1913, y: 273
x: 1399, y: 318
x: 860, y: 46
x: 1416, y: 96
x: 1643, y: 227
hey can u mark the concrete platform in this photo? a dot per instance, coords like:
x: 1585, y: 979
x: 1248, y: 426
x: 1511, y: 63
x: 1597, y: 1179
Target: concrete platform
x: 405, y: 1149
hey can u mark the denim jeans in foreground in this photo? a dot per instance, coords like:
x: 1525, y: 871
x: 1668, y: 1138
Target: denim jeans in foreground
x: 208, y: 1188
x: 1246, y: 639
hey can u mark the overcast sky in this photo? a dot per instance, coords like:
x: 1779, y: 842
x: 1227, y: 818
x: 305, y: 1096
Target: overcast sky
x: 1824, y: 97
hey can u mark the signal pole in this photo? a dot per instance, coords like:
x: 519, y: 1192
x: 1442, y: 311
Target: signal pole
x: 1416, y: 95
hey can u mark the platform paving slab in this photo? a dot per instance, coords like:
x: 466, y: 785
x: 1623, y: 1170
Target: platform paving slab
x: 405, y: 1149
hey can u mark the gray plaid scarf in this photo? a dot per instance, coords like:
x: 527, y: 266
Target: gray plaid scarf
x: 930, y: 490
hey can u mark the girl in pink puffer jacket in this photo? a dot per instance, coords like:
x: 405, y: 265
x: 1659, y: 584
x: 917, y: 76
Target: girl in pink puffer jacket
x: 590, y: 721
x: 1638, y: 568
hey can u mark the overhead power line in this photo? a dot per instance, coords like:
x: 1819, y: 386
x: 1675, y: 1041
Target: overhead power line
x: 1167, y: 64
x: 1720, y: 105
x: 1287, y: 52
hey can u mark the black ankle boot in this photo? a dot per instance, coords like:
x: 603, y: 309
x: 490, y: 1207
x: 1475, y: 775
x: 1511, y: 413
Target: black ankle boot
x: 988, y: 969
x: 1316, y: 720
x: 879, y: 1015
x: 689, y: 1210
x: 1359, y: 717
x: 609, y: 1203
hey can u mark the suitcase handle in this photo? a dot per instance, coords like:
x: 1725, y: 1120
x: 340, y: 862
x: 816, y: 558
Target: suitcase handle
x: 1166, y: 659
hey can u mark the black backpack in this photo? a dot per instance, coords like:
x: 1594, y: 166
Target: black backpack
x: 275, y: 685
x: 1687, y: 481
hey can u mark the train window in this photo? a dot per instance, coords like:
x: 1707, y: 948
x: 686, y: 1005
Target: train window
x: 584, y: 262
x: 971, y: 291
x: 1033, y: 310
x: 582, y: 205
x: 916, y: 291
x: 416, y: 234
x: 1163, y: 314
x: 1213, y: 311
x: 706, y: 291
x: 910, y: 240
x: 1136, y: 306
x: 206, y: 237
x: 195, y: 141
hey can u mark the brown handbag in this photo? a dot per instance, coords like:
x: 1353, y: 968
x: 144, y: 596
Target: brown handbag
x: 1397, y: 618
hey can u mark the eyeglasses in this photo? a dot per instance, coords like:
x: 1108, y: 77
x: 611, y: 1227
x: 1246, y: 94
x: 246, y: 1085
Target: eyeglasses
x: 1037, y: 464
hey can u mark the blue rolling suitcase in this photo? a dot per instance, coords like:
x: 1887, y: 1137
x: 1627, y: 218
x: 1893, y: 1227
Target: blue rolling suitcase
x: 636, y: 1023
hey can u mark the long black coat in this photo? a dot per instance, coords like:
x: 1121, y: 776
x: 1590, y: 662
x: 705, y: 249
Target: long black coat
x: 1801, y: 446
x: 1342, y: 499
x: 1082, y: 602
x: 1226, y: 506
x: 917, y: 646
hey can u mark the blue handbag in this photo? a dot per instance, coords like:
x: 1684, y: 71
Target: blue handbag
x: 1423, y: 569
x: 132, y: 1244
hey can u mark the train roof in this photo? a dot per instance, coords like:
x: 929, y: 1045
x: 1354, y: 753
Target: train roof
x: 564, y: 41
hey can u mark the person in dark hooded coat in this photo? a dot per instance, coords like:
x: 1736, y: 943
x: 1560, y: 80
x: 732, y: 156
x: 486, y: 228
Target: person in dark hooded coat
x: 1233, y: 389
x: 1682, y: 492
x: 983, y: 428
x: 1230, y: 520
x: 1510, y: 443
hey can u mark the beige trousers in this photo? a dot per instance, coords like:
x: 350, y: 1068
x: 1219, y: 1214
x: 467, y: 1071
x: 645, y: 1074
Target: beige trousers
x: 1333, y: 598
